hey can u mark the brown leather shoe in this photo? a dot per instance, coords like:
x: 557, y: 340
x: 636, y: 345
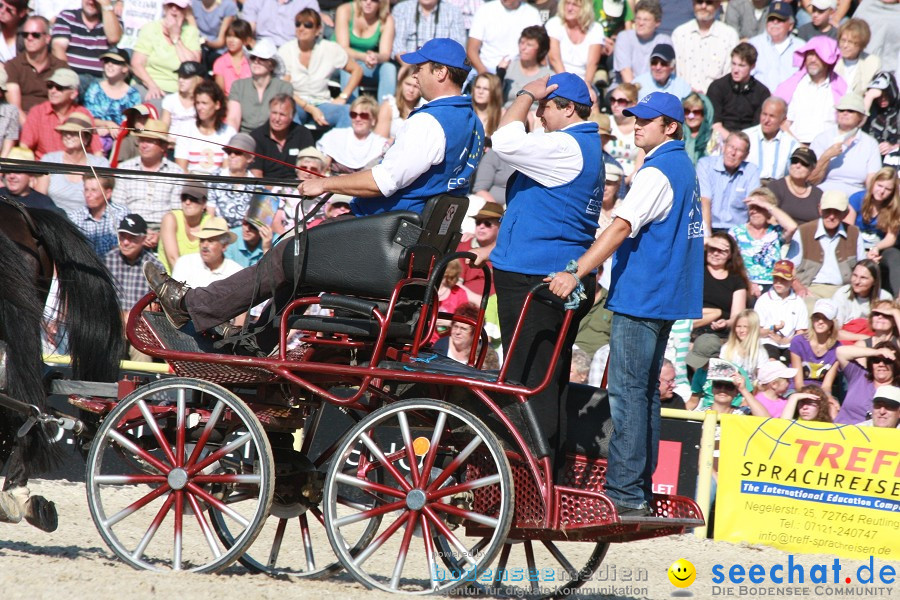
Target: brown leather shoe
x: 170, y: 294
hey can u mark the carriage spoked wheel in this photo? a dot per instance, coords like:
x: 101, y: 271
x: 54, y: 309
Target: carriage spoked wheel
x: 293, y: 541
x: 191, y: 448
x: 538, y: 569
x: 447, y: 472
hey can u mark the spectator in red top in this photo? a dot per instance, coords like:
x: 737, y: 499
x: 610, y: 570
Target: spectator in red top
x: 39, y: 132
x: 487, y: 225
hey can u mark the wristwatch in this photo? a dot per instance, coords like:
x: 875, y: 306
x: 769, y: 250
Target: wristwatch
x: 526, y: 93
x: 108, y: 7
x: 343, y: 96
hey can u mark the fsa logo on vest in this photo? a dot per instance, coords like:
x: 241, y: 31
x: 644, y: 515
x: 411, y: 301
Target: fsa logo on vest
x: 695, y: 215
x: 454, y: 183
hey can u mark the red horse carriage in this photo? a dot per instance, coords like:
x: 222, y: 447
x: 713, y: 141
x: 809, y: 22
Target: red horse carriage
x: 355, y: 446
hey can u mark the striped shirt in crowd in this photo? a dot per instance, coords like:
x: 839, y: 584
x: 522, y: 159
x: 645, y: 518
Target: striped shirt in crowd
x: 102, y: 233
x: 85, y: 45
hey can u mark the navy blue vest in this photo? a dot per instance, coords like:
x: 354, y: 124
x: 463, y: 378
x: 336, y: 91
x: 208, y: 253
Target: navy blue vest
x: 658, y: 274
x: 546, y: 227
x: 464, y: 146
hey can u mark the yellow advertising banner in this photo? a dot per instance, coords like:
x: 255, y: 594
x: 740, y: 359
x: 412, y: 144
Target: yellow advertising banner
x: 809, y: 487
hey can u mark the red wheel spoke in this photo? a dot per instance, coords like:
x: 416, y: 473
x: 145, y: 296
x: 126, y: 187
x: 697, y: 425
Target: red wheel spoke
x: 429, y: 550
x: 200, y: 515
x: 562, y: 560
x: 129, y: 479
x: 247, y: 479
x: 307, y: 543
x: 276, y: 543
x: 381, y: 539
x: 179, y: 429
x: 532, y: 567
x: 218, y: 454
x: 153, y: 426
x: 369, y: 486
x: 436, y: 434
x: 218, y: 504
x: 392, y: 469
x: 138, y: 504
x: 451, y: 537
x: 466, y: 514
x: 464, y: 487
x: 368, y: 514
x: 129, y: 445
x: 410, y: 451
x: 404, y: 549
x: 211, y: 423
x: 456, y: 463
x: 501, y: 564
x: 179, y: 530
x: 153, y: 528
x: 318, y: 515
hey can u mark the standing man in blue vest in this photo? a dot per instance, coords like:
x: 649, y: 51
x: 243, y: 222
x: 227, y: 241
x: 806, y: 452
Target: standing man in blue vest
x: 657, y: 278
x: 553, y: 204
x: 436, y: 152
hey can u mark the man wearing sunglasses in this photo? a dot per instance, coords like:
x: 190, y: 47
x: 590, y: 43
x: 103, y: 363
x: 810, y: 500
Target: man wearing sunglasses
x: 657, y: 279
x: 436, y: 152
x: 30, y: 71
x: 704, y: 46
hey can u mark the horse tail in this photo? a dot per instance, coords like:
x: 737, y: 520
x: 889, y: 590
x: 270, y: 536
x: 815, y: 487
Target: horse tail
x: 87, y: 292
x: 20, y: 328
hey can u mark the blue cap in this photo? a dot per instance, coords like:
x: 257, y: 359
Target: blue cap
x: 571, y: 87
x: 657, y: 104
x: 442, y: 51
x: 780, y: 10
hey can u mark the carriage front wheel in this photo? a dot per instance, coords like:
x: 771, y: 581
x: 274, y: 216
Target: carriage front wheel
x: 444, y: 482
x: 168, y: 454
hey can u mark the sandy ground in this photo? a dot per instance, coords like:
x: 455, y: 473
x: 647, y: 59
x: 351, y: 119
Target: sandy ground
x: 73, y: 562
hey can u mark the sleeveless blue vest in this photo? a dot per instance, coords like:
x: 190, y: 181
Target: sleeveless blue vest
x: 546, y: 227
x: 464, y: 146
x: 658, y: 274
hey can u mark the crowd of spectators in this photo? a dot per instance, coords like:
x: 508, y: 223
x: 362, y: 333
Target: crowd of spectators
x: 792, y: 118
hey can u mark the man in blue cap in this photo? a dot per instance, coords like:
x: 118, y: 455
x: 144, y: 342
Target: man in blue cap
x: 553, y: 205
x: 657, y: 278
x: 436, y: 152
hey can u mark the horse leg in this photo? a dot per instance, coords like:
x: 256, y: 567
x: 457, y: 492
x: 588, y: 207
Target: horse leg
x: 16, y: 501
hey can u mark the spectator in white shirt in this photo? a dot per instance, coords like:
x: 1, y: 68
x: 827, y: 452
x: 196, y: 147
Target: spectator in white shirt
x: 776, y: 46
x: 703, y: 46
x: 495, y: 32
x: 770, y: 146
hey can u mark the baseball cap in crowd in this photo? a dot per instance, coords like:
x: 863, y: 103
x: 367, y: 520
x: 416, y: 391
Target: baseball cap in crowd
x: 144, y: 110
x: 490, y: 210
x: 823, y: 4
x: 705, y: 347
x: 4, y: 78
x: 887, y: 394
x: 807, y: 156
x: 442, y: 51
x: 154, y: 129
x: 66, y: 78
x: 657, y: 104
x: 826, y: 308
x: 215, y: 227
x: 194, y: 190
x: 243, y: 142
x: 133, y: 224
x: 189, y: 68
x: 780, y: 10
x: 311, y: 152
x: 852, y: 101
x: 721, y: 370
x: 266, y: 50
x: 774, y: 369
x: 116, y: 55
x: 178, y: 3
x: 783, y: 269
x: 834, y: 199
x: 614, y: 172
x: 663, y: 51
x: 571, y: 87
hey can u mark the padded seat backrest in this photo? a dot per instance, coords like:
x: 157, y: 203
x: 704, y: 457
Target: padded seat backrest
x: 441, y: 229
x: 358, y: 256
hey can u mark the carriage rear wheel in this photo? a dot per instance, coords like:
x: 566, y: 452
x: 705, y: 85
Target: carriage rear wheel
x: 448, y: 473
x: 190, y: 448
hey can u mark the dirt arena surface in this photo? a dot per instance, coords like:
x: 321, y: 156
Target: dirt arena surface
x: 73, y: 564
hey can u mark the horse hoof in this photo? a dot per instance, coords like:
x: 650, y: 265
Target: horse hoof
x: 41, y: 513
x: 10, y: 511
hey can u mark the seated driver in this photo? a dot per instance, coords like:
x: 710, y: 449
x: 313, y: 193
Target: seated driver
x: 436, y: 152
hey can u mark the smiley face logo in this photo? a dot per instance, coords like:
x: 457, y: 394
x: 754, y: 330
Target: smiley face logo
x: 682, y: 573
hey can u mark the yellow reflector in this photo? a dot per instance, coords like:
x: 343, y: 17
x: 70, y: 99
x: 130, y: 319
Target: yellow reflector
x: 421, y: 445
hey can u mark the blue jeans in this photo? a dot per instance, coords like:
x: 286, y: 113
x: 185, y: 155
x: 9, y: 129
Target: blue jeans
x: 385, y: 74
x: 337, y: 115
x: 636, y: 351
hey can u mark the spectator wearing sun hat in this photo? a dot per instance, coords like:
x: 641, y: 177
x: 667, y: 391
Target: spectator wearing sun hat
x: 39, y: 131
x: 782, y: 313
x: 202, y: 268
x: 231, y: 200
x: 18, y: 184
x: 885, y: 408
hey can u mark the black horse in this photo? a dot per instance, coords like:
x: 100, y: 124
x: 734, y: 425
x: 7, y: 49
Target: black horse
x: 32, y: 244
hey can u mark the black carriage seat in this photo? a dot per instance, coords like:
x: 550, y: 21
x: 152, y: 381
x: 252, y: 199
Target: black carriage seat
x: 366, y: 257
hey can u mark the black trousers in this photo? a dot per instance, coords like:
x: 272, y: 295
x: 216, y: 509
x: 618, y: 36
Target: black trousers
x: 534, y: 351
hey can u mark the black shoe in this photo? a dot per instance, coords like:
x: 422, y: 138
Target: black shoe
x: 628, y: 513
x: 170, y: 294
